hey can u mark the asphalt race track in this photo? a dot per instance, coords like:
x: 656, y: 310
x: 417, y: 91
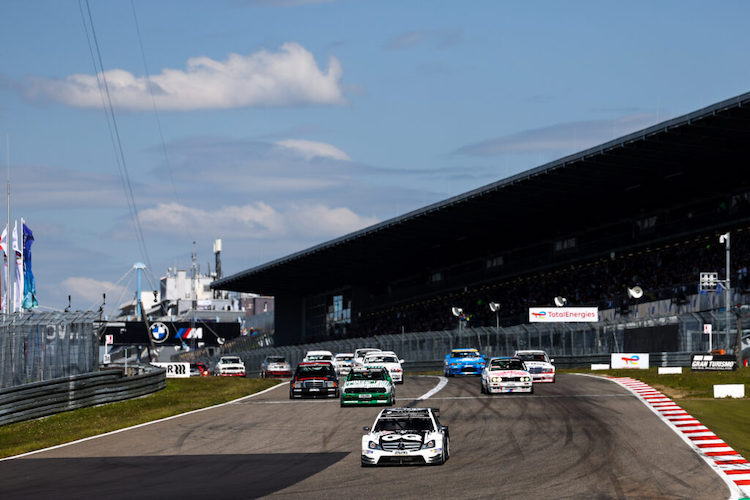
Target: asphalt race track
x: 578, y: 438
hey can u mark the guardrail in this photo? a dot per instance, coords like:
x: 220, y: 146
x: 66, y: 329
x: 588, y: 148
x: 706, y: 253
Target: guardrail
x: 41, y: 399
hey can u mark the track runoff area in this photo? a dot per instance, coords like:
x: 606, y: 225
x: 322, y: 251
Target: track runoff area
x: 581, y: 437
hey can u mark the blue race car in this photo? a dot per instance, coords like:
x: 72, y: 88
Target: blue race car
x: 464, y: 362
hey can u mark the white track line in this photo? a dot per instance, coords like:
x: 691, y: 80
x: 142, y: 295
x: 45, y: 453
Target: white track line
x: 731, y: 467
x: 442, y: 383
x: 142, y: 425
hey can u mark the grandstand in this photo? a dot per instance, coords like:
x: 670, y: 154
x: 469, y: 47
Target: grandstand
x: 645, y: 209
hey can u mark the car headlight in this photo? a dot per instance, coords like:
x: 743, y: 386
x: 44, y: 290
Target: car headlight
x: 525, y: 379
x: 373, y: 445
x: 548, y: 370
x: 298, y: 385
x: 331, y: 383
x: 430, y: 444
x: 495, y: 379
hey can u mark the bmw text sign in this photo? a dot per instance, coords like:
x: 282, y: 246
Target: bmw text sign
x: 167, y: 333
x: 563, y: 314
x: 629, y: 360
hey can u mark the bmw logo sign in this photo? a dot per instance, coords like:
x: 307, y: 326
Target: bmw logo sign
x: 159, y: 332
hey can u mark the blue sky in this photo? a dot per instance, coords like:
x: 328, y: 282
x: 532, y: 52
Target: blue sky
x: 277, y: 125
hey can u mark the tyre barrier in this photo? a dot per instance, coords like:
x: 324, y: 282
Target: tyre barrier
x: 41, y: 399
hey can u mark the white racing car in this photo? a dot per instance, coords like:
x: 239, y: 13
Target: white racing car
x: 406, y: 436
x: 538, y: 364
x: 389, y: 361
x: 506, y: 375
x: 230, y: 366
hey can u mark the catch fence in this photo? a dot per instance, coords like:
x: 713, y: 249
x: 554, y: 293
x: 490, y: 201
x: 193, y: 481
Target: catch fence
x: 568, y: 341
x: 38, y: 346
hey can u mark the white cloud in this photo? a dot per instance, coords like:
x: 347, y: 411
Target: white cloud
x: 91, y: 290
x: 288, y: 77
x: 315, y: 220
x: 311, y: 149
x: 255, y: 221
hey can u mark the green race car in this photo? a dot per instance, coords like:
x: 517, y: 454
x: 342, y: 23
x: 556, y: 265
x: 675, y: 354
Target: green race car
x: 370, y: 386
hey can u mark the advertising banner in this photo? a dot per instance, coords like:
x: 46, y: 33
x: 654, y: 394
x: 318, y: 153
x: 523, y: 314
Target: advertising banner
x: 713, y: 362
x: 175, y: 370
x: 563, y: 314
x: 196, y: 334
x: 629, y: 360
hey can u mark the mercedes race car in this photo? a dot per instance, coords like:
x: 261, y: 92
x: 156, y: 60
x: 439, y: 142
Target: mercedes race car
x: 538, y: 364
x: 368, y: 386
x: 506, y: 374
x: 389, y: 361
x: 314, y: 379
x: 406, y: 436
x: 230, y: 366
x: 463, y: 362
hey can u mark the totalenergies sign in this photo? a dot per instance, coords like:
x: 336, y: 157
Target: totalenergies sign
x: 629, y: 360
x: 563, y: 314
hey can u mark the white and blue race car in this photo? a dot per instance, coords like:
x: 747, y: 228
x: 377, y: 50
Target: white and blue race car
x: 406, y: 436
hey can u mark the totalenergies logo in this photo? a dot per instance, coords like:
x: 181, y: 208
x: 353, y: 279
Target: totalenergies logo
x: 540, y: 314
x: 632, y: 359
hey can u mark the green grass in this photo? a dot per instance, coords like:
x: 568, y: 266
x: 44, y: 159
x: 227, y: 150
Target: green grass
x: 180, y: 396
x: 728, y: 418
x: 693, y: 391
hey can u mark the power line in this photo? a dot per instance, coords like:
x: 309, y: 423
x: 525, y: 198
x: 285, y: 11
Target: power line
x: 114, y: 129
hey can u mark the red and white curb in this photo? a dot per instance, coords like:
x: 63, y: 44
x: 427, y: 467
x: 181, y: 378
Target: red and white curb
x: 730, y: 465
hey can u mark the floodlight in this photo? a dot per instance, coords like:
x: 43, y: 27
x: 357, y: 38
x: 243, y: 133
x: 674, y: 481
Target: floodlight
x: 494, y: 306
x: 560, y: 301
x: 723, y: 238
x: 457, y: 311
x: 636, y: 292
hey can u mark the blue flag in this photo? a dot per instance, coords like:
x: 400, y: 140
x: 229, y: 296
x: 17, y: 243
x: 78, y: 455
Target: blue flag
x: 29, y: 286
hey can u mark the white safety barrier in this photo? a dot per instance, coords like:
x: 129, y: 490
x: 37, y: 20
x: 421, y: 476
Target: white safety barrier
x: 664, y: 370
x: 600, y: 367
x: 729, y: 391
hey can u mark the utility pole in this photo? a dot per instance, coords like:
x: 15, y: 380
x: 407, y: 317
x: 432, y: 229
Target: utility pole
x: 724, y: 238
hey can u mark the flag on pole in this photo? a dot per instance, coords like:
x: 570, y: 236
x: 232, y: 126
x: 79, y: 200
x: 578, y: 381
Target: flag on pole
x: 18, y: 283
x: 4, y: 274
x: 29, y: 286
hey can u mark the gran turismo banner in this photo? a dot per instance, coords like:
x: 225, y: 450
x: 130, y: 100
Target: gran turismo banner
x: 713, y: 362
x: 563, y: 314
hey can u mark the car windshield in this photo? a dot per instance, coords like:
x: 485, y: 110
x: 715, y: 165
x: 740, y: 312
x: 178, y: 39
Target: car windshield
x: 465, y: 354
x: 381, y: 359
x: 319, y: 357
x: 507, y: 364
x: 532, y: 357
x: 368, y: 375
x: 276, y: 359
x: 404, y: 424
x: 230, y: 360
x: 315, y: 371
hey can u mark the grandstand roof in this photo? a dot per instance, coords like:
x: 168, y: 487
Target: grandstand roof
x: 699, y: 157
